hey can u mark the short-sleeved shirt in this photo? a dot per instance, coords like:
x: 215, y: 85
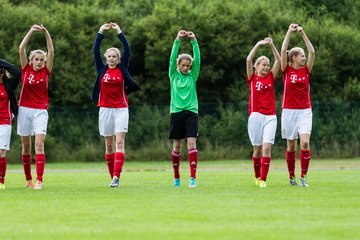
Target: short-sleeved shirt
x: 262, y: 94
x: 296, y: 93
x: 5, y: 111
x: 112, y: 90
x: 34, y: 89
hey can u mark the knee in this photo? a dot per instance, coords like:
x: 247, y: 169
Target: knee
x: 257, y: 152
x: 39, y: 147
x: 109, y: 146
x: 120, y: 145
x: 26, y: 148
x: 2, y: 153
x: 305, y: 145
x: 267, y: 151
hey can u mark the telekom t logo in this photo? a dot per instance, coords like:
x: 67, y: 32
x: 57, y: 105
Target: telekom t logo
x: 106, y: 77
x: 31, y: 79
x: 258, y: 86
x: 293, y: 78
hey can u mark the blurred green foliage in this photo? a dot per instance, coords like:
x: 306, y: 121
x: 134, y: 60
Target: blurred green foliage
x: 226, y: 31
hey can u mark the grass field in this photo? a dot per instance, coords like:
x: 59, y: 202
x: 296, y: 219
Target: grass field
x: 76, y: 203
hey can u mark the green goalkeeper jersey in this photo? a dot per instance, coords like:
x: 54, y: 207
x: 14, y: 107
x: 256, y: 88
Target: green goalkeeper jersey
x: 183, y: 86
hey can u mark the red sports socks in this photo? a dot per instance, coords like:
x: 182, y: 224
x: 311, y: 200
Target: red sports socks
x: 2, y: 169
x: 265, y: 165
x: 175, y: 157
x: 110, y: 163
x: 40, y: 165
x: 193, y: 159
x: 257, y: 166
x: 118, y: 163
x: 305, y: 156
x: 290, y: 161
x: 26, y: 161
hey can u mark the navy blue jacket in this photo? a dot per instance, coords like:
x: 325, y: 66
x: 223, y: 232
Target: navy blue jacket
x: 10, y: 84
x: 130, y: 84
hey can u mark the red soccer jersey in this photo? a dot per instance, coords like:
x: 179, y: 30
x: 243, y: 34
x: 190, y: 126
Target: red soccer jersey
x: 112, y: 90
x: 34, y: 90
x: 5, y: 110
x: 296, y: 93
x: 262, y: 94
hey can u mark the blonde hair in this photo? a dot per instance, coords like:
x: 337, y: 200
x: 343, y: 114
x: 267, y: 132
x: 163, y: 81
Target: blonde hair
x: 115, y: 50
x: 294, y: 52
x: 184, y: 56
x: 37, y: 51
x: 257, y: 62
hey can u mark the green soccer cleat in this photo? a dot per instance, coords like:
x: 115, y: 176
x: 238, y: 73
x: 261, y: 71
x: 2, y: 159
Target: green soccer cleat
x: 257, y: 181
x: 114, y: 182
x: 303, y: 182
x: 192, y: 183
x: 177, y: 182
x: 293, y: 181
x: 262, y: 184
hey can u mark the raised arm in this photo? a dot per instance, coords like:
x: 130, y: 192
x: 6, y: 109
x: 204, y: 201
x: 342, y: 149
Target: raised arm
x: 50, y: 49
x: 195, y: 68
x: 310, y: 48
x: 175, y: 51
x: 96, y: 48
x: 285, y: 45
x: 24, y: 43
x: 250, y: 58
x: 276, y: 66
x: 125, y: 58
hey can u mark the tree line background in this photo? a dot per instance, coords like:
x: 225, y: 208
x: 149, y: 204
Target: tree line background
x: 226, y: 31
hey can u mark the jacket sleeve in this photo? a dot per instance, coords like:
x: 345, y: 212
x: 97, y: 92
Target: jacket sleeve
x: 125, y: 58
x: 195, y: 68
x: 14, y: 72
x: 96, y: 52
x: 173, y: 57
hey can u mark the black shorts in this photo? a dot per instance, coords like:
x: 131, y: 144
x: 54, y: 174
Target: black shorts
x: 184, y: 124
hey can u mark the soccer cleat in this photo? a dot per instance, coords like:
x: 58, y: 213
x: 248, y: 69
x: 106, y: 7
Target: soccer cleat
x: 38, y: 185
x: 257, y: 181
x: 29, y: 184
x: 192, y: 183
x: 114, y: 182
x: 262, y: 184
x: 293, y: 181
x: 177, y: 182
x: 303, y: 182
x: 2, y: 186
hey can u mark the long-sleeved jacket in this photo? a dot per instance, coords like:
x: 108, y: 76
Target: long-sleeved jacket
x: 11, y: 83
x: 130, y: 84
x: 183, y: 86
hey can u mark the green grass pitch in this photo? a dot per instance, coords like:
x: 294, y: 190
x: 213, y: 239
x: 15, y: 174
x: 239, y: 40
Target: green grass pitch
x: 76, y: 203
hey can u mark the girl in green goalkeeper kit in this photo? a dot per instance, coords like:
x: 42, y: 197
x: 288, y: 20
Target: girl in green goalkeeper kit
x: 183, y: 73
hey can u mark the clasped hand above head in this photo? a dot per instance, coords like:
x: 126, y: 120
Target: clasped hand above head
x: 188, y: 34
x: 108, y: 26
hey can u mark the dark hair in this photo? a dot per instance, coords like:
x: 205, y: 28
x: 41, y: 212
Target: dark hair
x: 2, y: 70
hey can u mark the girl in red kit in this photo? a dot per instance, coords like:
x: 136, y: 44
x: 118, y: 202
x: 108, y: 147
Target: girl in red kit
x: 296, y: 117
x: 262, y: 120
x: 33, y: 103
x: 9, y: 79
x: 110, y: 91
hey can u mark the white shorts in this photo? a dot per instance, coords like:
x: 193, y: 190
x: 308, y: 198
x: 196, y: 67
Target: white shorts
x: 261, y: 128
x: 5, y: 135
x: 32, y: 121
x: 113, y: 120
x: 295, y: 122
